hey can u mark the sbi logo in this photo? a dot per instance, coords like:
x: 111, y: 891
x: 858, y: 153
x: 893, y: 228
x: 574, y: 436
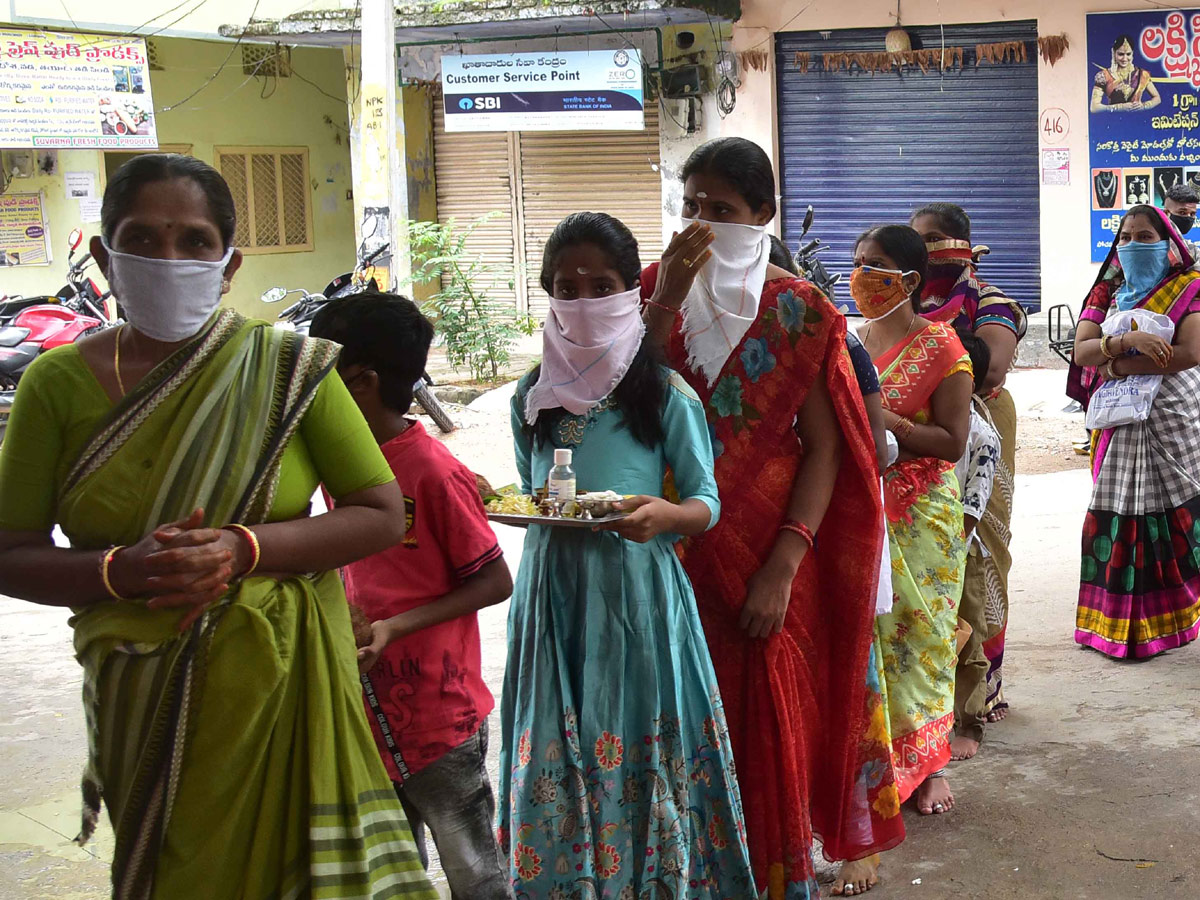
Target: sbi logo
x: 467, y: 104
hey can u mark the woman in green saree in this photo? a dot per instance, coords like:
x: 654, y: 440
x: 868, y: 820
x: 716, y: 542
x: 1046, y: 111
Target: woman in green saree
x: 178, y: 454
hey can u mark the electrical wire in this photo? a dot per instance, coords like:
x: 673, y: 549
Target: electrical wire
x: 781, y: 28
x: 213, y: 77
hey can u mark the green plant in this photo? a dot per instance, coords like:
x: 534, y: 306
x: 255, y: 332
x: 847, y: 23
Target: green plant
x: 477, y: 331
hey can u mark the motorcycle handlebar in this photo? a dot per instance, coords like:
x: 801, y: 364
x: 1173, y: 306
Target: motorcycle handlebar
x: 809, y: 247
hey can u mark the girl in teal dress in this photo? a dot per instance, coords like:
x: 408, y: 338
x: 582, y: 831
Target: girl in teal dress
x: 617, y: 779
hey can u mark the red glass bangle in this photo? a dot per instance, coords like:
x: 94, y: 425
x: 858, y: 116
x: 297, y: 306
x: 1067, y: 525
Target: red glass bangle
x: 801, y: 529
x: 252, y: 540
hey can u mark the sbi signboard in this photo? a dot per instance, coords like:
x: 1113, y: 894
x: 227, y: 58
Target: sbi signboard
x: 577, y: 90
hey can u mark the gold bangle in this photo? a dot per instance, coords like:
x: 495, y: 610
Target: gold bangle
x: 255, y: 547
x: 1111, y: 371
x: 1104, y: 341
x: 105, y: 562
x: 904, y: 427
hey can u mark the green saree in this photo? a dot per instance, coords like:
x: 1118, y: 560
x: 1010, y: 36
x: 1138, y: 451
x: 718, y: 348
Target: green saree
x: 234, y: 759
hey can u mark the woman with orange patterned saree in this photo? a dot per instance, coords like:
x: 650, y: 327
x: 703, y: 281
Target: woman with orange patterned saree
x: 926, y: 381
x: 788, y: 619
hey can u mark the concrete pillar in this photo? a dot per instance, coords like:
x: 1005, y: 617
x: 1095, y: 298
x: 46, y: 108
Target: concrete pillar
x: 377, y: 144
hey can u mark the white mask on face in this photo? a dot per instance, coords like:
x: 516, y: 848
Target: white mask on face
x: 166, y: 299
x: 723, y: 301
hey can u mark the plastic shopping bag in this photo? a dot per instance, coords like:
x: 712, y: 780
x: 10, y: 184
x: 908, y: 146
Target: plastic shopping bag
x: 1128, y: 400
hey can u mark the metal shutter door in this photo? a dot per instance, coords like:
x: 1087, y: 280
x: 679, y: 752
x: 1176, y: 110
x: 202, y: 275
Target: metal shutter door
x: 613, y: 172
x: 866, y: 149
x: 473, y: 177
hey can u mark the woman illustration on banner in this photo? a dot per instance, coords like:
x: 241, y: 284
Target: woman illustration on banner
x: 1123, y: 86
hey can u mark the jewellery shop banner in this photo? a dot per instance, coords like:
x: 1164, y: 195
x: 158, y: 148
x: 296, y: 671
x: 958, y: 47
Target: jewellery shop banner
x: 1144, y: 111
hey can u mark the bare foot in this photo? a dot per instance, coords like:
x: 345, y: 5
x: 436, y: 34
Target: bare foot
x: 857, y: 877
x: 963, y: 747
x: 999, y: 714
x: 934, y: 797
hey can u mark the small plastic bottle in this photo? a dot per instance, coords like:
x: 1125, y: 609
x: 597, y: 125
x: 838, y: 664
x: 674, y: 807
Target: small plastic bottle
x: 560, y: 486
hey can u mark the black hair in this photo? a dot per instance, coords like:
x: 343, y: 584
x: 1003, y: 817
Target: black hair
x: 601, y: 230
x: 1151, y: 213
x: 980, y: 353
x: 1123, y: 39
x: 640, y: 395
x: 148, y: 168
x: 1181, y: 193
x: 385, y: 333
x: 952, y: 219
x: 740, y: 162
x: 906, y: 248
x: 781, y: 257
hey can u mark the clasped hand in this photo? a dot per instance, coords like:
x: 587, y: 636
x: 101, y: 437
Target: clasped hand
x: 180, y: 566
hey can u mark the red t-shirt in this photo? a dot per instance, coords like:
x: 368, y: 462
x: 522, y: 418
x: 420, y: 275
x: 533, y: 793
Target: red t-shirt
x: 429, y: 685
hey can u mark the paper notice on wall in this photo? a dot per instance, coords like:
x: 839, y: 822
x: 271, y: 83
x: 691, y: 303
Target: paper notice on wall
x: 23, y: 240
x: 89, y: 210
x: 1056, y: 166
x: 80, y: 185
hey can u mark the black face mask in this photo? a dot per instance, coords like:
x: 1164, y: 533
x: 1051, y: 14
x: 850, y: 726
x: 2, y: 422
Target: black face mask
x: 1183, y: 223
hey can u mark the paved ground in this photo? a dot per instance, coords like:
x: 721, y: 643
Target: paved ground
x: 1087, y: 792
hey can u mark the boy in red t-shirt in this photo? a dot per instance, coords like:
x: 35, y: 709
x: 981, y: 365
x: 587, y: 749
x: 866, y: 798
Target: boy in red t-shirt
x: 422, y: 678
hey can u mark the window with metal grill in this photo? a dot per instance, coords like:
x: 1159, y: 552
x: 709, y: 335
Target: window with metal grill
x: 270, y: 193
x: 267, y: 60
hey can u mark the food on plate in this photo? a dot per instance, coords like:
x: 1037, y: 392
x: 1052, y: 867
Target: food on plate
x: 512, y: 505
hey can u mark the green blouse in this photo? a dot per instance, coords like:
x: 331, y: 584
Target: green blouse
x: 60, y: 404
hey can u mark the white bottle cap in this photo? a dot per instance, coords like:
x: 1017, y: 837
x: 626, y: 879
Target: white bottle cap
x: 562, y: 457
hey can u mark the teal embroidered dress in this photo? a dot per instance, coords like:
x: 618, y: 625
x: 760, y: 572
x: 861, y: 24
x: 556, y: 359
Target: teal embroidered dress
x: 616, y: 776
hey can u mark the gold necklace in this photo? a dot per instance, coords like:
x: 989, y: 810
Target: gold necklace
x: 117, y: 361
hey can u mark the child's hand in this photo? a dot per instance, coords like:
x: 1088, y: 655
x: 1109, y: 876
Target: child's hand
x: 368, y: 656
x: 648, y: 517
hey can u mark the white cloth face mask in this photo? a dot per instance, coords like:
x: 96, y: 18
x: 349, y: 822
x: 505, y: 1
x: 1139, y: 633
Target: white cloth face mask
x: 168, y: 300
x: 723, y: 301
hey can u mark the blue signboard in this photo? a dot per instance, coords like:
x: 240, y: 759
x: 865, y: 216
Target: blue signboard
x: 1144, y: 112
x: 558, y: 91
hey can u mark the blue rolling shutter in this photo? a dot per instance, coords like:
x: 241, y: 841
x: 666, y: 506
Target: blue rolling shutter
x: 866, y: 149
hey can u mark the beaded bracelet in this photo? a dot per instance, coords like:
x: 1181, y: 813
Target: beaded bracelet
x: 255, y: 547
x: 801, y: 529
x: 105, y: 562
x: 663, y: 306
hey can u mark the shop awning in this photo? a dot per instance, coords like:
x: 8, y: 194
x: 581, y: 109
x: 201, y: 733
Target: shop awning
x: 477, y: 19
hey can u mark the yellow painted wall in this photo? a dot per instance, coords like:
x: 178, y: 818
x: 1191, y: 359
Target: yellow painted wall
x: 417, y: 109
x: 232, y: 111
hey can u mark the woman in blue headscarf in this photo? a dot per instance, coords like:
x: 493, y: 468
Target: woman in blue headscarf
x: 1139, y: 591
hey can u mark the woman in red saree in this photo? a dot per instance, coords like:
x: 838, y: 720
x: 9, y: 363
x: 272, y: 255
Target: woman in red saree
x: 789, y: 624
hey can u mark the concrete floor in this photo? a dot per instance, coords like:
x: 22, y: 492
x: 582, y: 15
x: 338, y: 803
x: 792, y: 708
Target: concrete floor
x: 1087, y: 792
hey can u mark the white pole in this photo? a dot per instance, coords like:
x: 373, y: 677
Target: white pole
x: 378, y: 158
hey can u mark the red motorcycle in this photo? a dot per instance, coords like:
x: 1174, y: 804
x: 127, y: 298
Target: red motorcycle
x: 30, y: 326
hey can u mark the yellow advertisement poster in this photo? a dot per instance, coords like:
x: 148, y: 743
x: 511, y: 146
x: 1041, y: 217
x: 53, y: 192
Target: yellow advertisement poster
x: 75, y: 91
x: 23, y: 238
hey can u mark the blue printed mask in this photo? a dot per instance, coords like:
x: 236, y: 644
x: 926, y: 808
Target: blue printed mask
x: 1144, y: 266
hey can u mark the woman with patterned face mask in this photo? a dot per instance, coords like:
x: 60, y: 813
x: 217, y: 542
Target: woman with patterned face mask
x: 956, y: 295
x: 179, y: 454
x: 926, y: 379
x: 766, y: 353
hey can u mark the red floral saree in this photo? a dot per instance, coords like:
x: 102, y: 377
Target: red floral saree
x: 798, y: 703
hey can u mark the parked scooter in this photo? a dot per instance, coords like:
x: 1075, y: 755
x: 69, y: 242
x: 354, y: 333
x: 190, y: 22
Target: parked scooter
x: 30, y: 326
x: 300, y: 314
x: 810, y: 267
